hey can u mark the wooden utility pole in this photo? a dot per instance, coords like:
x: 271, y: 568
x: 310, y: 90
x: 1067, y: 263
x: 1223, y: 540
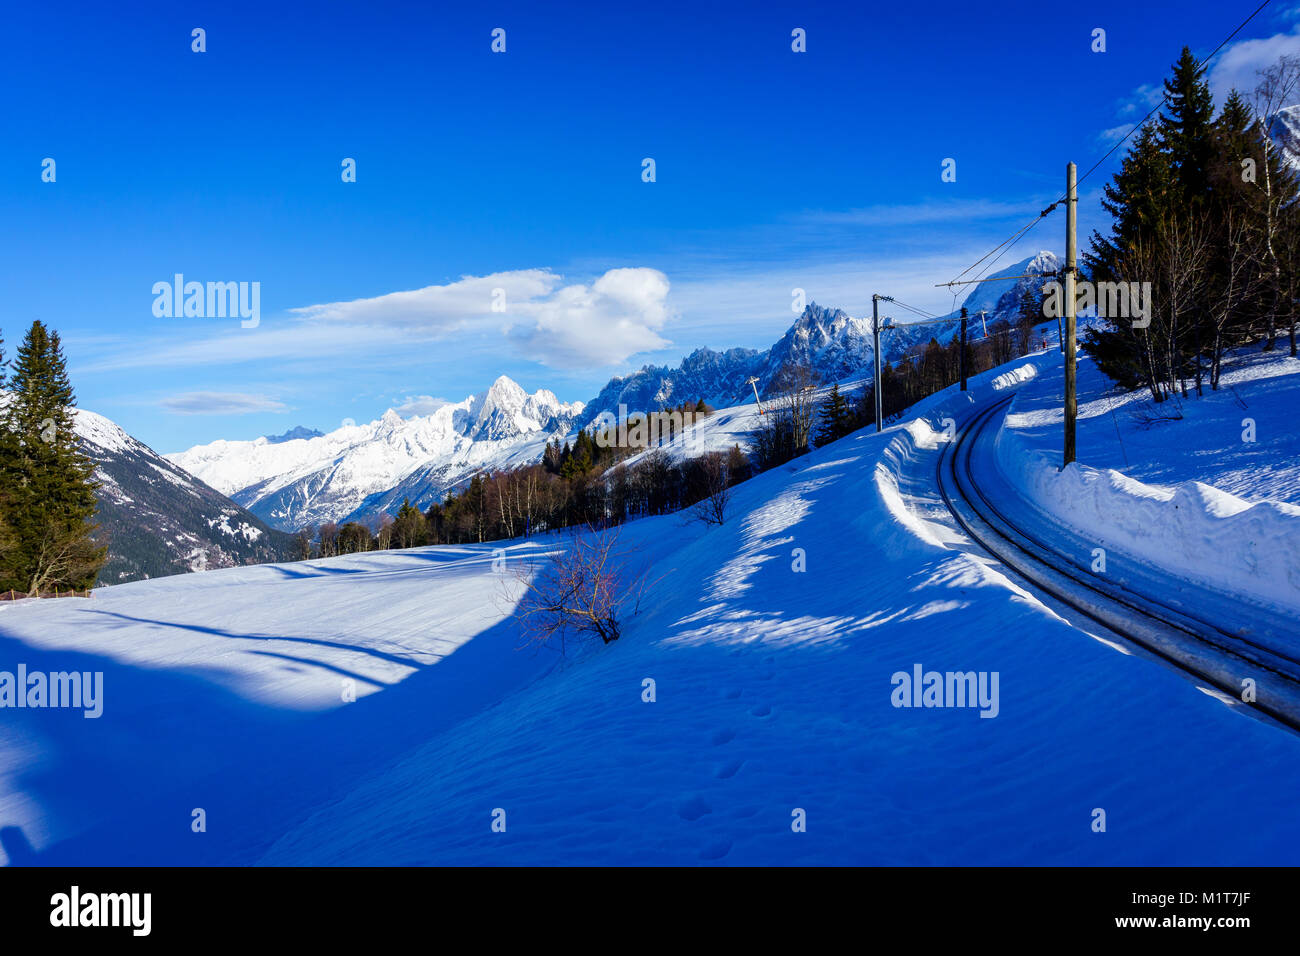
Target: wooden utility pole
x: 875, y: 347
x: 963, y: 348
x: 1071, y: 254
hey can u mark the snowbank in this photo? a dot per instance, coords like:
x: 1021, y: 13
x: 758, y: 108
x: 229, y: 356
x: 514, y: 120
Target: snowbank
x: 934, y: 424
x: 1192, y: 529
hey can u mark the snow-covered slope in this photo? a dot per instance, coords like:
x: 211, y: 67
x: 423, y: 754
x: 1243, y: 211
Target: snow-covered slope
x: 1208, y: 493
x: 772, y: 642
x: 358, y: 471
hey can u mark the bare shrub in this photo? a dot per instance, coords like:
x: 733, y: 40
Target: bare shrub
x: 711, y: 476
x: 788, y: 418
x: 583, y: 592
x: 1148, y: 414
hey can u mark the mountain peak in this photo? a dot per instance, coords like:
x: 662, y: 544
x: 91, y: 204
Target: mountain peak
x: 506, y: 388
x: 1000, y: 295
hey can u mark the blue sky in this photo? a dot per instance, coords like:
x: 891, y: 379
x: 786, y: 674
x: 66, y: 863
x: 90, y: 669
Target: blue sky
x: 522, y: 171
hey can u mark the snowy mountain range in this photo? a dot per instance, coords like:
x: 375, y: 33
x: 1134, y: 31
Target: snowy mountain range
x: 359, y: 472
x: 158, y: 519
x: 834, y: 345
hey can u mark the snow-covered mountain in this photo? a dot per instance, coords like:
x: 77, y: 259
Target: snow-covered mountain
x: 1002, y: 297
x: 833, y: 344
x: 1286, y: 133
x: 158, y: 519
x: 359, y: 471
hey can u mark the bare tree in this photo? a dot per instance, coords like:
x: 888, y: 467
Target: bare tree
x: 303, y: 539
x: 582, y: 592
x: 1237, y: 285
x: 713, y: 474
x: 788, y: 418
x: 1174, y: 259
x: 329, y: 539
x: 384, y: 536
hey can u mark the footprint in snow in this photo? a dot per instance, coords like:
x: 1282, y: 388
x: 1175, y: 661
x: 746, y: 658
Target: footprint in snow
x: 716, y: 851
x: 723, y: 736
x: 762, y: 710
x: 729, y: 769
x: 693, y: 807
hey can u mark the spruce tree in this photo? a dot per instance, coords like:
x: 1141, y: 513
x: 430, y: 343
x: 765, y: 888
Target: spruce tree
x: 1187, y: 128
x: 1140, y: 199
x: 7, y: 539
x: 835, y: 418
x: 50, y: 483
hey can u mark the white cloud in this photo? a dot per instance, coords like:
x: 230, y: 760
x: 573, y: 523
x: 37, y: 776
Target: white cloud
x: 1237, y: 65
x: 1109, y: 137
x: 617, y: 316
x: 220, y: 403
x: 439, y: 309
x: 1142, y: 100
x: 415, y: 405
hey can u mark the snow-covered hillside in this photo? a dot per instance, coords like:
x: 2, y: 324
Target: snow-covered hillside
x: 360, y: 471
x: 773, y: 643
x: 1206, y: 489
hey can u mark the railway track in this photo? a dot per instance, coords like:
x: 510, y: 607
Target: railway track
x: 1208, y: 651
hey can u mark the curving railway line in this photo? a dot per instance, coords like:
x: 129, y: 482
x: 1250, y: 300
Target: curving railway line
x: 1223, y: 658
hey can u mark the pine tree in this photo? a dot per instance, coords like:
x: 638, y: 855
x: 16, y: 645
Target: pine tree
x: 7, y: 538
x: 835, y: 418
x: 581, y: 459
x: 1187, y: 128
x: 1139, y: 196
x: 409, y: 529
x: 49, y: 482
x: 1140, y: 199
